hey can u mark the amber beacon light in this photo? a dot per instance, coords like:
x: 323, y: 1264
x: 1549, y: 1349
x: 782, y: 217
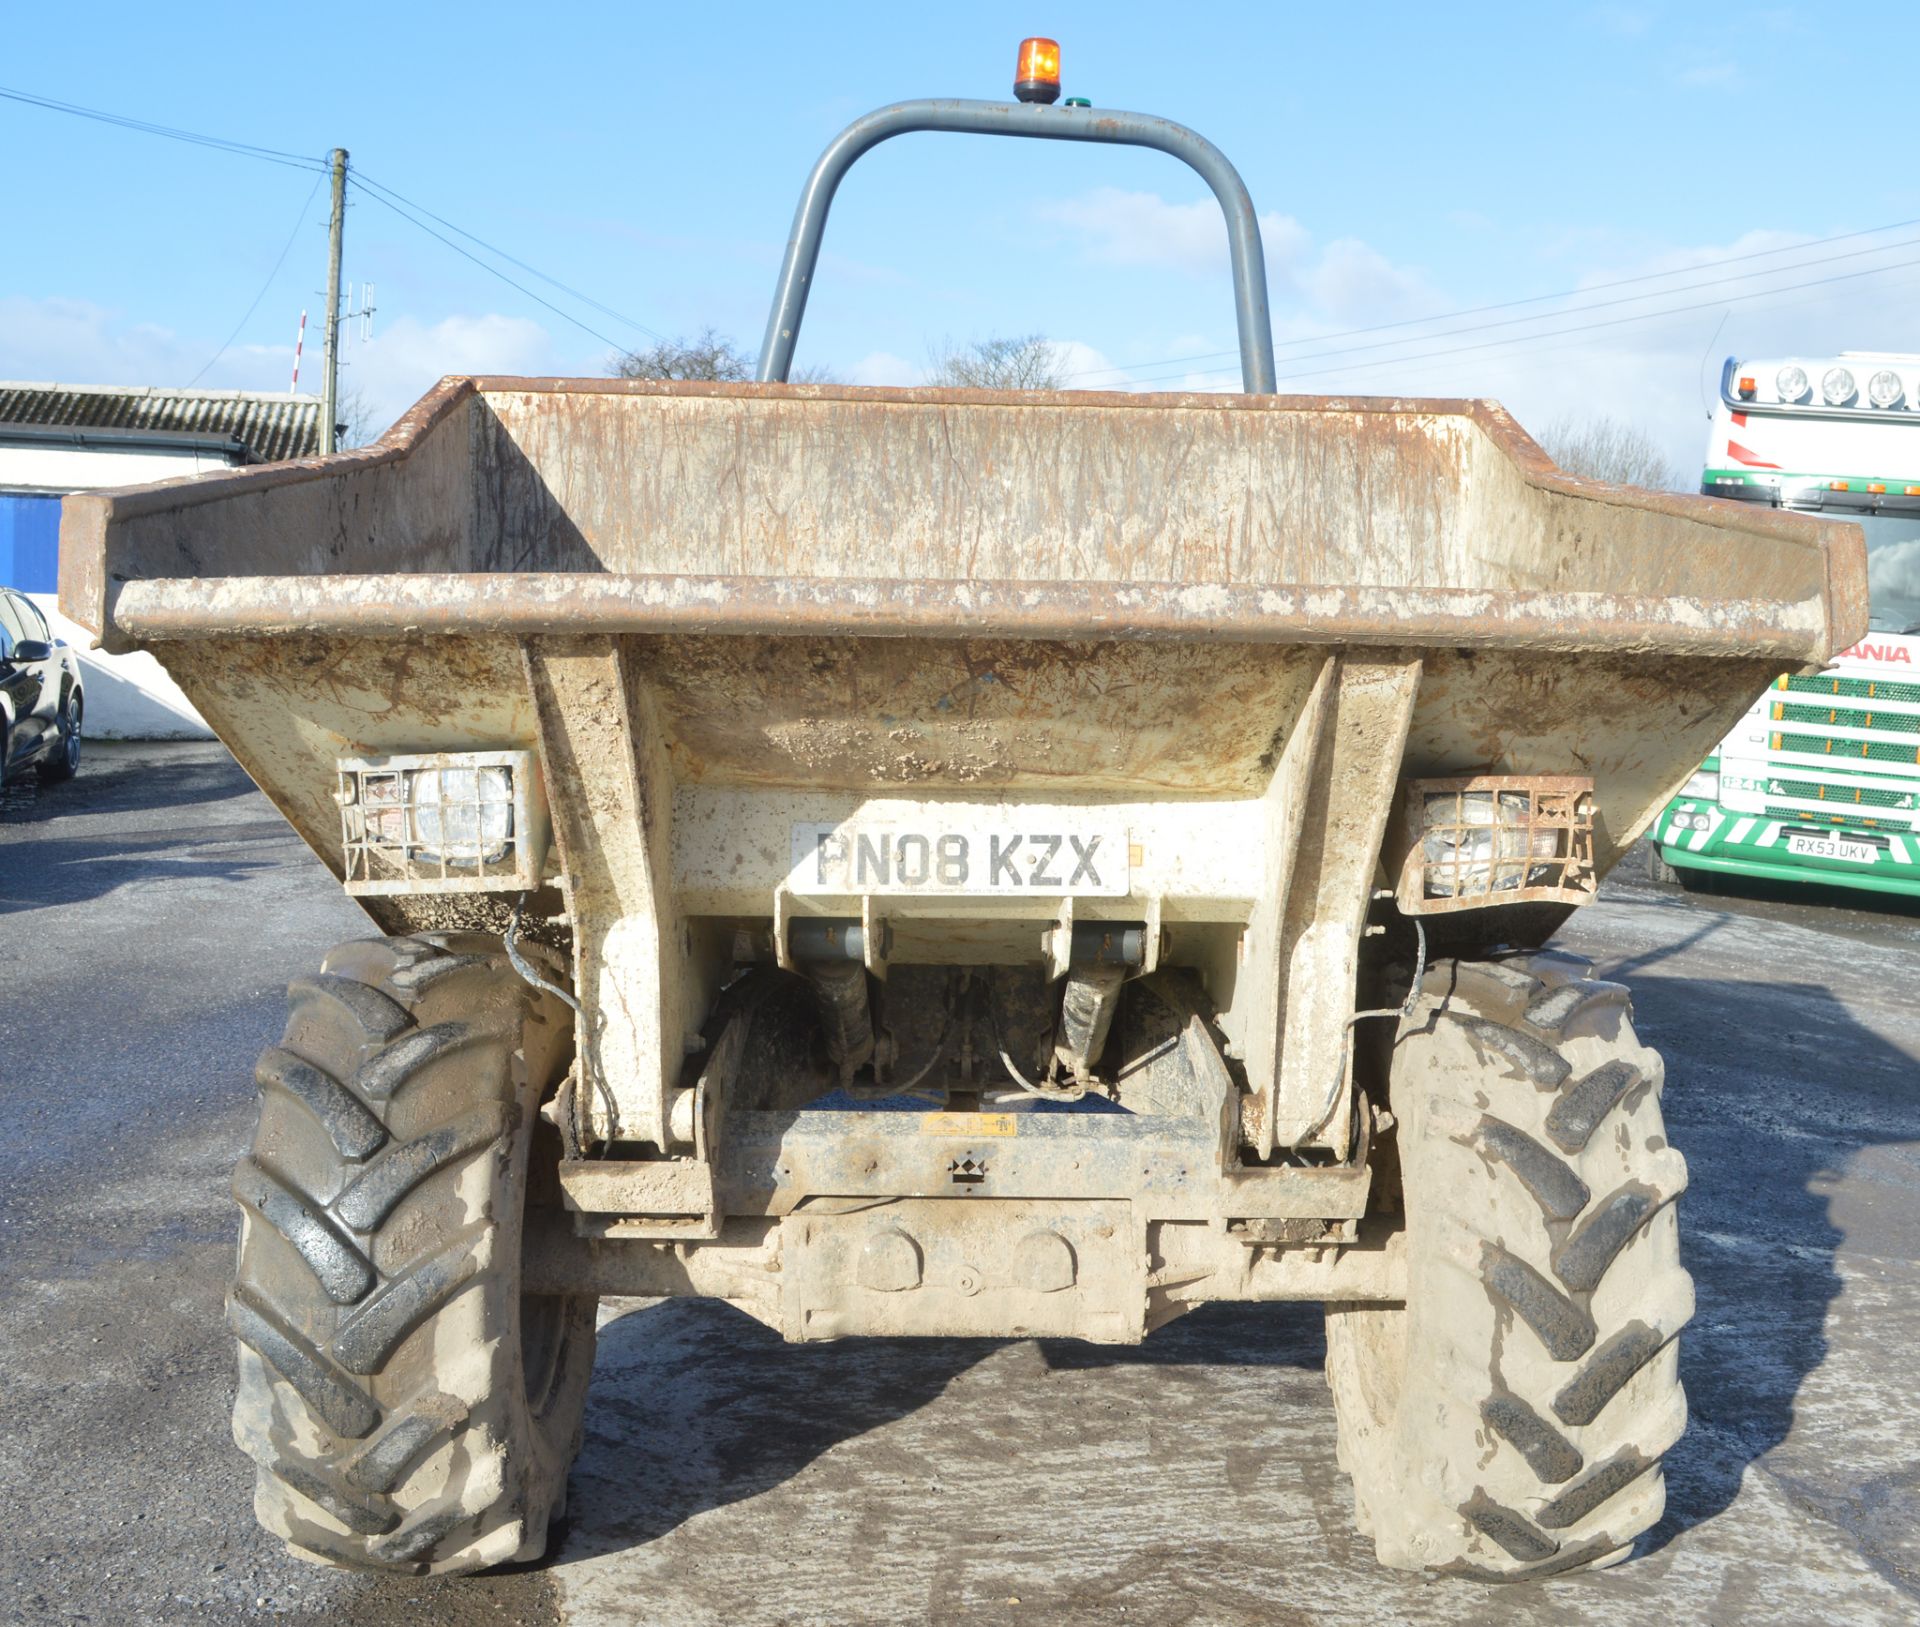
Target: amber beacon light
x: 1037, y: 77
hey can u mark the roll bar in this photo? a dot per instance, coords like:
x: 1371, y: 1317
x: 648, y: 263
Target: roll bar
x: 1042, y: 123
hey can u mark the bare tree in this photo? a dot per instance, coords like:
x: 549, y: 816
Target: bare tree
x: 354, y: 420
x: 1603, y: 448
x: 711, y: 355
x: 1030, y: 362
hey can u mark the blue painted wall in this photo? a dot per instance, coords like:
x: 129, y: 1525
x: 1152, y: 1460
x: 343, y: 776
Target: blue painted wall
x: 29, y: 541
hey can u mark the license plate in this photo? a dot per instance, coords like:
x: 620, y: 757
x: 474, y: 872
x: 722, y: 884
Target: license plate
x: 1833, y: 847
x: 993, y: 853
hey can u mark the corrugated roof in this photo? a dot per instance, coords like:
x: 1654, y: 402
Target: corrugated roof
x: 270, y: 427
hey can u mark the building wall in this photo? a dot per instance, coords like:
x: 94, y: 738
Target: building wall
x: 29, y: 541
x: 129, y: 697
x: 39, y: 465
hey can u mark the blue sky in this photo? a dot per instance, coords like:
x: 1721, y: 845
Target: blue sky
x: 1409, y: 161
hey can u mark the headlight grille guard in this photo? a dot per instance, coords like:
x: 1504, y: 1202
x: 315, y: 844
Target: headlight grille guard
x: 1487, y: 840
x: 442, y: 822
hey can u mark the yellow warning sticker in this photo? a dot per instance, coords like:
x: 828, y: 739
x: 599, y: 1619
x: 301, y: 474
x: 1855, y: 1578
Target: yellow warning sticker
x: 969, y: 1124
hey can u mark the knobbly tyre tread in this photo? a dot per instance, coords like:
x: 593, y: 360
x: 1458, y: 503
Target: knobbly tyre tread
x: 377, y: 1302
x: 341, y: 1404
x: 1553, y: 1457
x: 367, y: 1338
x: 353, y: 1127
x: 341, y: 1269
x: 1509, y: 1421
x: 372, y: 1194
x: 1557, y: 1321
x: 1560, y: 1193
x: 1580, y: 1111
x: 1613, y: 1365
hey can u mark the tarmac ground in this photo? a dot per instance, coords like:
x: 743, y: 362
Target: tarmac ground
x: 152, y: 911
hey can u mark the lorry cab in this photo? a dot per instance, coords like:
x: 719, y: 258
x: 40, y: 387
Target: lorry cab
x: 1820, y: 780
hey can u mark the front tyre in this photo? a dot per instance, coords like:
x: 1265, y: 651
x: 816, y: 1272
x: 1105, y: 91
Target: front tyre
x: 407, y: 1405
x: 1509, y: 1419
x: 63, y: 762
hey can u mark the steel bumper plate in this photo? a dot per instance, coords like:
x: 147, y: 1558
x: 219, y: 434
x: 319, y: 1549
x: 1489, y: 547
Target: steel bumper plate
x: 951, y: 1268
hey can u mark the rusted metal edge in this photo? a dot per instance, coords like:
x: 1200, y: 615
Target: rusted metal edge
x: 555, y: 602
x: 85, y: 517
x: 1490, y: 416
x: 1846, y: 560
x: 85, y: 591
x: 1499, y: 425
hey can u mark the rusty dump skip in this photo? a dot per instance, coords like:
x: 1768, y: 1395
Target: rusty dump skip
x: 1225, y: 629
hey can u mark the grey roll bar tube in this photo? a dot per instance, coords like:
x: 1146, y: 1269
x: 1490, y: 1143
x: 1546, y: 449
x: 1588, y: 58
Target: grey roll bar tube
x: 1044, y: 123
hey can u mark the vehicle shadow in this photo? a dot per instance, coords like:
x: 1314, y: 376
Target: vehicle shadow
x: 696, y: 1406
x: 121, y: 777
x: 1773, y: 1090
x: 1712, y: 887
x: 42, y: 866
x: 51, y: 873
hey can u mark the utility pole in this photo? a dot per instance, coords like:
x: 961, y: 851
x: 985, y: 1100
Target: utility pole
x: 330, y: 387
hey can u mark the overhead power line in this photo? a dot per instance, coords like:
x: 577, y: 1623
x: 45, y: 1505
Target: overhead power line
x: 286, y: 249
x: 1541, y: 299
x: 1586, y: 327
x: 380, y: 193
x: 1606, y: 304
x: 494, y: 270
x: 1619, y: 321
x: 366, y: 181
x: 243, y: 149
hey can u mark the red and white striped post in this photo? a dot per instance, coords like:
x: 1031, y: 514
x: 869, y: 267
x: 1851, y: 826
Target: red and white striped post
x: 299, y: 345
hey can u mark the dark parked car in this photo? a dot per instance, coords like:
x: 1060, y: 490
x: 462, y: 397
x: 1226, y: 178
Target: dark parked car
x: 40, y: 700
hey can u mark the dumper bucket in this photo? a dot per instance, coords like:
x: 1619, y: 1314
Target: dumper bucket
x: 1217, y: 637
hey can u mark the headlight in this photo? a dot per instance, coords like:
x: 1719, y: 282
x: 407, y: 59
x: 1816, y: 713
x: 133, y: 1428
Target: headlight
x: 1480, y: 842
x: 1791, y: 383
x: 462, y: 815
x: 1884, y: 390
x: 442, y: 822
x: 1837, y: 386
x: 1705, y: 785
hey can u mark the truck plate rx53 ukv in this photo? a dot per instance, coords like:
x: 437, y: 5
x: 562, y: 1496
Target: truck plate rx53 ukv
x: 946, y: 862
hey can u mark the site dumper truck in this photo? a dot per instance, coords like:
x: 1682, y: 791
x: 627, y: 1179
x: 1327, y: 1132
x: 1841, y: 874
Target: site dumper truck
x: 915, y: 861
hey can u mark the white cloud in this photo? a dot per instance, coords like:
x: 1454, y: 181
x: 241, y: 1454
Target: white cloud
x: 72, y: 341
x: 408, y: 357
x: 1334, y: 285
x: 1352, y: 283
x: 1626, y: 21
x: 1314, y: 289
x: 883, y: 367
x: 1645, y: 352
x: 1143, y: 228
x: 1653, y: 362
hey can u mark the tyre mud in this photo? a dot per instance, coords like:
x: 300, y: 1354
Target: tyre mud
x: 407, y: 1407
x: 1509, y: 1419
